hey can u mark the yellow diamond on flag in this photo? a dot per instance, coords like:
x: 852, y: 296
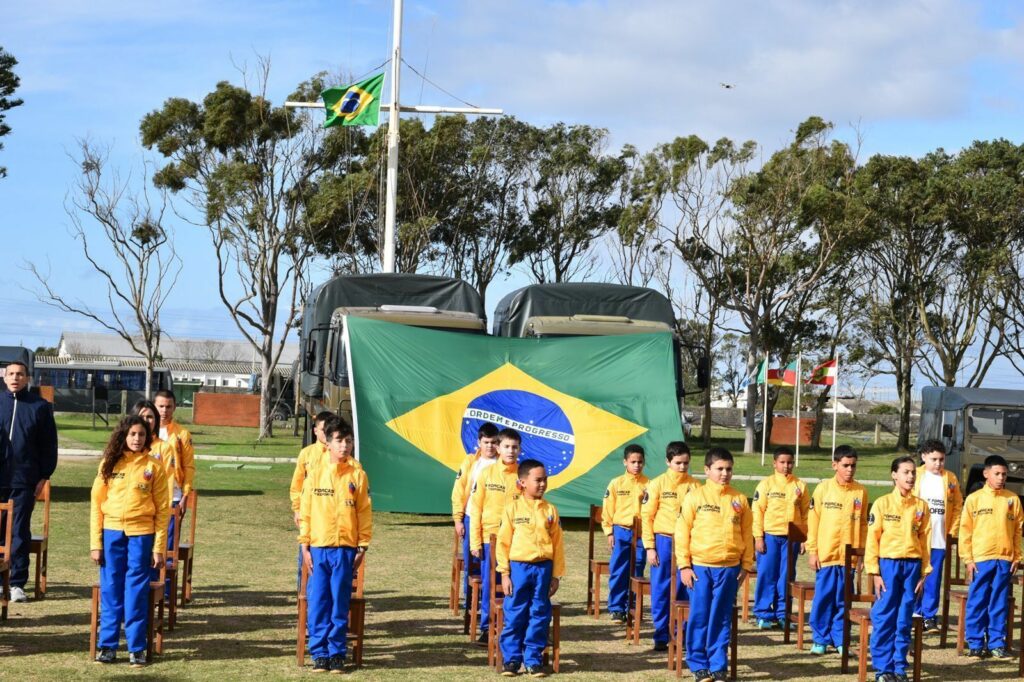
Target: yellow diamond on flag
x: 568, y: 435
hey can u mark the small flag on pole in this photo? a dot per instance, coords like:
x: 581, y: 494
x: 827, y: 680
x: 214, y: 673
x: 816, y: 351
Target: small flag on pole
x: 354, y: 105
x: 789, y: 375
x: 824, y: 374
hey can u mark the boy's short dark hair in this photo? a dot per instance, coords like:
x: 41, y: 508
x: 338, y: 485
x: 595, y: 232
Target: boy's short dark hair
x: 676, y: 447
x: 995, y: 461
x: 528, y: 465
x: 633, y: 448
x: 509, y: 434
x: 336, y: 425
x: 783, y: 450
x: 844, y: 451
x: 905, y: 459
x: 164, y: 393
x: 930, y: 446
x: 19, y: 363
x: 324, y: 416
x: 717, y: 455
x: 487, y: 430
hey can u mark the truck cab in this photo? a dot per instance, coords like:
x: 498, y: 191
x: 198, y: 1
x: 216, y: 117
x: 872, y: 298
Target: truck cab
x: 974, y: 423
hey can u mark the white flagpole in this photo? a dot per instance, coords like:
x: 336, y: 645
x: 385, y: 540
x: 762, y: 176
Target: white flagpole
x: 799, y: 380
x: 764, y: 412
x: 835, y: 404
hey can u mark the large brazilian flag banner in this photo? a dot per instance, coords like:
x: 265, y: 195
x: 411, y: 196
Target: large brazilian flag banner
x: 420, y: 395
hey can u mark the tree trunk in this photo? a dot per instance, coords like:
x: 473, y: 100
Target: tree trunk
x: 266, y: 386
x: 905, y: 386
x: 819, y: 416
x: 748, y: 431
x: 149, y: 377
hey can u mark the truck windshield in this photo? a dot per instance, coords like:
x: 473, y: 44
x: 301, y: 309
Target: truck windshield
x: 997, y: 422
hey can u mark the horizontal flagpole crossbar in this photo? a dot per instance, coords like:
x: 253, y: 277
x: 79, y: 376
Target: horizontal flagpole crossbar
x: 418, y: 108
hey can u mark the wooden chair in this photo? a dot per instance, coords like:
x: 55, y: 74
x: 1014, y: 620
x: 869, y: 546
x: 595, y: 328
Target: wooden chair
x: 954, y: 578
x: 155, y: 628
x: 862, y: 618
x: 639, y: 587
x: 458, y: 566
x: 186, y: 549
x: 801, y: 592
x: 356, y: 617
x: 496, y: 613
x: 7, y: 523
x: 745, y: 595
x: 1020, y: 668
x: 40, y: 543
x: 172, y: 564
x: 552, y: 652
x: 472, y: 616
x: 595, y: 567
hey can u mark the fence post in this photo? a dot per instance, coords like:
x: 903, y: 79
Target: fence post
x: 878, y: 432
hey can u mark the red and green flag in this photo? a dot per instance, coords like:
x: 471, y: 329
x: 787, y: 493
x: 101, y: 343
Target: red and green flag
x: 825, y: 373
x: 789, y: 375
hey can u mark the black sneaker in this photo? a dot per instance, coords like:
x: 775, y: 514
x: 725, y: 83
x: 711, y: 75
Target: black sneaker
x: 931, y: 626
x: 535, y: 671
x: 482, y: 639
x: 137, y: 659
x: 703, y: 676
x: 885, y: 677
x: 336, y: 664
x: 720, y: 676
x: 1001, y: 653
x: 661, y: 646
x: 976, y: 653
x: 900, y: 677
x: 510, y: 669
x: 106, y: 656
x: 322, y: 664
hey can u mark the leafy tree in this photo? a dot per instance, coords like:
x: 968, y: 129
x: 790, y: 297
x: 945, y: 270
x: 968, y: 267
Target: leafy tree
x: 731, y: 364
x: 9, y: 82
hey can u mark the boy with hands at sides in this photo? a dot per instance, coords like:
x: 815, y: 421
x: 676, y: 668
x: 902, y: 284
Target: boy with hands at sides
x: 620, y: 507
x: 531, y: 560
x: 472, y: 466
x: 898, y: 559
x: 714, y: 552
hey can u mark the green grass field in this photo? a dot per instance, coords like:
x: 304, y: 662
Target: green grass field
x: 242, y: 623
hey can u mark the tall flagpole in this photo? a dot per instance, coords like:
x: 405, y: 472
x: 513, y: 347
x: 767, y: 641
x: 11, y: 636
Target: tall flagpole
x: 391, y: 202
x: 799, y: 373
x: 764, y: 413
x: 835, y: 404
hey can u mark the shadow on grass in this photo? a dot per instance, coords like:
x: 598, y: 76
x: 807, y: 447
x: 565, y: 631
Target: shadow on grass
x: 69, y: 494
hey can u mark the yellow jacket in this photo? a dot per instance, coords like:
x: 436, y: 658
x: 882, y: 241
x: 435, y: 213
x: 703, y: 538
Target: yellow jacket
x: 135, y: 500
x: 990, y: 526
x: 309, y: 458
x: 335, y: 507
x: 184, y: 461
x: 530, y: 532
x: 714, y: 529
x: 898, y: 528
x: 463, y: 485
x: 622, y: 501
x: 494, y: 489
x: 778, y: 501
x: 660, y: 507
x: 954, y: 499
x: 838, y: 517
x: 165, y: 453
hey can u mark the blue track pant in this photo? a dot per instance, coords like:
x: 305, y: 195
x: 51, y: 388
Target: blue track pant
x: 710, y: 622
x: 987, y: 602
x: 124, y: 589
x: 661, y: 576
x: 892, y: 615
x: 485, y: 593
x: 527, y: 613
x: 618, y: 568
x: 328, y: 594
x: 470, y: 565
x: 827, y: 609
x: 770, y: 588
x: 928, y: 602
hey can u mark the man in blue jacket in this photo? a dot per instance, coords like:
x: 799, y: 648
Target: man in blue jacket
x: 28, y: 457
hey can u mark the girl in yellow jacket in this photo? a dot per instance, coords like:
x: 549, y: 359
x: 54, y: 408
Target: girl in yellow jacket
x: 128, y: 532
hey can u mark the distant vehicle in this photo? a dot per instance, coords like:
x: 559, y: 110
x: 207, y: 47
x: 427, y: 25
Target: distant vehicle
x: 418, y: 300
x: 9, y: 354
x: 687, y: 426
x: 974, y: 423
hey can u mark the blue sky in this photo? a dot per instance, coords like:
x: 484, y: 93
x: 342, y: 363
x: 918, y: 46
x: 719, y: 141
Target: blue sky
x: 910, y: 76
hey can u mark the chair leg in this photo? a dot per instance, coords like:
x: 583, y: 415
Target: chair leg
x: 5, y: 593
x: 473, y: 611
x: 597, y: 596
x: 300, y: 639
x: 172, y: 611
x: 918, y: 647
x: 801, y: 616
x: 39, y: 575
x: 46, y: 556
x: 678, y: 636
x: 862, y: 653
x: 1009, y: 620
x: 961, y: 632
x: 94, y: 621
x: 733, y: 645
x: 556, y: 639
x: 746, y: 599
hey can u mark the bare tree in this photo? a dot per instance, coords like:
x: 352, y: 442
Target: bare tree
x: 128, y: 245
x: 210, y: 350
x: 187, y: 349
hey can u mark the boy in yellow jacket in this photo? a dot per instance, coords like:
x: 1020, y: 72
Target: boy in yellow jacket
x: 838, y: 516
x: 658, y: 515
x: 622, y: 505
x: 310, y: 457
x: 897, y: 557
x: 335, y: 527
x: 780, y: 499
x: 496, y: 487
x: 531, y: 560
x: 472, y: 466
x: 714, y: 552
x: 990, y: 546
x: 173, y: 432
x: 941, y: 490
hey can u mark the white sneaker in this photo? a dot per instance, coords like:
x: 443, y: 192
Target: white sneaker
x: 18, y: 595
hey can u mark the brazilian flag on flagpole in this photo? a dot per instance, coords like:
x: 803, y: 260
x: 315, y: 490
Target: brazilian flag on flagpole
x: 354, y: 105
x: 420, y: 395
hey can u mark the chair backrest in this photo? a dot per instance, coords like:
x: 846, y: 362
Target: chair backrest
x: 796, y: 535
x: 456, y: 546
x: 636, y: 530
x: 192, y: 503
x: 596, y: 511
x: 851, y: 591
x: 359, y: 579
x: 496, y: 590
x: 179, y: 514
x: 951, y: 570
x: 44, y: 497
x: 7, y: 523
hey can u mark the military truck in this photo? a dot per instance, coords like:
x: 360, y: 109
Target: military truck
x: 9, y: 354
x: 590, y: 309
x: 974, y: 423
x: 417, y: 300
